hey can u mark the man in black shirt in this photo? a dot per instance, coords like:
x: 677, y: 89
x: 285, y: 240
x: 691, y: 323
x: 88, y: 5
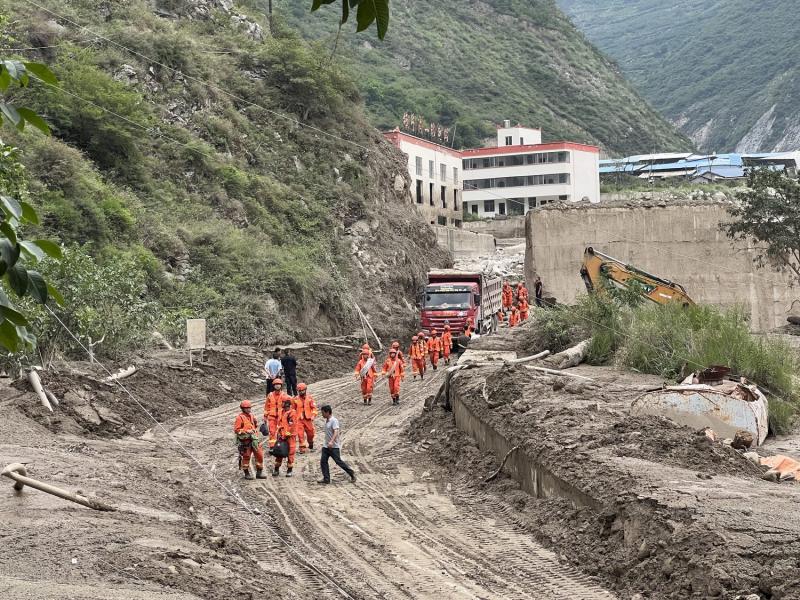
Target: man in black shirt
x: 537, y: 290
x: 289, y: 364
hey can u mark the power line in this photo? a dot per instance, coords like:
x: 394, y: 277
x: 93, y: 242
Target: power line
x: 197, y: 80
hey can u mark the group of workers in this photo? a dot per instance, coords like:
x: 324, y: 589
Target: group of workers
x: 423, y: 349
x: 515, y: 312
x: 288, y: 420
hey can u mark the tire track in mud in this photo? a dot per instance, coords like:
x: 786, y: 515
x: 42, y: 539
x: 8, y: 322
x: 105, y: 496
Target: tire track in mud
x: 392, y: 535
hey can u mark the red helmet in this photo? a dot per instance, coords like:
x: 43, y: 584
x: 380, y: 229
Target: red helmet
x: 447, y: 327
x: 421, y: 334
x: 433, y: 332
x: 277, y: 381
x: 414, y: 338
x: 392, y: 351
x: 366, y: 348
x: 301, y: 387
x: 395, y: 345
x: 246, y: 404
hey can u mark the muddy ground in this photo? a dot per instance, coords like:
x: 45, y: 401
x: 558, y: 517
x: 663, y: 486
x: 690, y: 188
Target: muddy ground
x: 671, y: 514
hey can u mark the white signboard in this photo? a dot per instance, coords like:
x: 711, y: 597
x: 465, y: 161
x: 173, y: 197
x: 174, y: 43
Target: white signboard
x: 195, y: 334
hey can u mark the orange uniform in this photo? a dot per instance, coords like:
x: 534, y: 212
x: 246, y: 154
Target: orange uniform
x: 416, y: 352
x: 244, y: 426
x: 522, y: 292
x: 513, y: 320
x: 306, y: 410
x: 447, y: 344
x: 508, y: 296
x: 393, y: 368
x: 287, y: 430
x: 523, y: 309
x: 272, y: 407
x: 367, y: 377
x: 434, y: 349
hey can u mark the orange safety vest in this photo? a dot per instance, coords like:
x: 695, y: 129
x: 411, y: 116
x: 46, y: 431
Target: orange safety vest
x: 274, y: 402
x: 415, y: 352
x: 245, y: 423
x: 434, y: 345
x: 371, y: 373
x: 287, y: 423
x: 399, y: 371
x: 305, y: 407
x: 447, y: 340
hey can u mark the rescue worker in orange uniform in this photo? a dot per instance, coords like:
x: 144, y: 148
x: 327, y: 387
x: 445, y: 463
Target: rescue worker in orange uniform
x: 522, y: 292
x: 396, y: 346
x: 447, y: 344
x: 286, y: 430
x: 524, y: 307
x: 306, y: 410
x: 469, y: 327
x: 507, y: 296
x: 366, y: 371
x: 393, y: 369
x: 513, y: 320
x: 434, y: 348
x: 272, y: 407
x: 417, y: 355
x: 246, y: 429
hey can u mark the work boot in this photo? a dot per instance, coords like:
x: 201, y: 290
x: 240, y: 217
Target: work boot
x: 369, y: 401
x: 324, y: 482
x: 289, y: 472
x: 275, y: 472
x: 310, y: 445
x: 353, y: 477
x: 248, y: 474
x: 260, y: 474
x: 365, y: 401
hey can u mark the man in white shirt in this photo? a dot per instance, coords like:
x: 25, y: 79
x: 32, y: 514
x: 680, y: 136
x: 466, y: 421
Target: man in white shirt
x: 332, y: 447
x: 273, y: 368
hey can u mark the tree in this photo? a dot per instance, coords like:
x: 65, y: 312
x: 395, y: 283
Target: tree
x: 16, y: 253
x: 768, y: 211
x: 367, y: 12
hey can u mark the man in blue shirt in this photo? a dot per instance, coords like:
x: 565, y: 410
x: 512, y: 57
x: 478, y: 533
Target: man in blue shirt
x: 273, y: 368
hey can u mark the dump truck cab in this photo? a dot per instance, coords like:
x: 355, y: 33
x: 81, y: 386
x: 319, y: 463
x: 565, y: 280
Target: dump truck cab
x: 456, y: 297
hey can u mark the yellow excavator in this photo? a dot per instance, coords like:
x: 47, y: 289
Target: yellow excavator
x: 598, y: 266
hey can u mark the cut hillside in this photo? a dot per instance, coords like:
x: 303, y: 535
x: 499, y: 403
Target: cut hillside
x: 723, y: 71
x: 232, y: 172
x: 472, y: 64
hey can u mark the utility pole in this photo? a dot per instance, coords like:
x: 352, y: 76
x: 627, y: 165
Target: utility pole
x: 269, y: 16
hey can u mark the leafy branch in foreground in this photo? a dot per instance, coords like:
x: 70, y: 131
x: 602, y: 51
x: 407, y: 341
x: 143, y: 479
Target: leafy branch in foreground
x: 367, y: 12
x: 16, y: 253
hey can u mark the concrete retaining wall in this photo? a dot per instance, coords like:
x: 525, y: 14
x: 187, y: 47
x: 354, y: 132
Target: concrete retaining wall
x: 465, y: 244
x: 513, y: 227
x: 532, y: 476
x: 680, y: 243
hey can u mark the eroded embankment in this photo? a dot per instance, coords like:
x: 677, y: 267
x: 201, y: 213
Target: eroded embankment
x: 646, y: 505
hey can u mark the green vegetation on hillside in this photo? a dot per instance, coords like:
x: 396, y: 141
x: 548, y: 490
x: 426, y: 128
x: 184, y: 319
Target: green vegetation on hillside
x: 471, y: 65
x: 715, y: 68
x: 214, y: 168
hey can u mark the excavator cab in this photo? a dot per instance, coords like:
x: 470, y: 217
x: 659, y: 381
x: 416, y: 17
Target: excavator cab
x: 598, y: 268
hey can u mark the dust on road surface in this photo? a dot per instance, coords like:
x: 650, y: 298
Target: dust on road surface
x: 398, y: 533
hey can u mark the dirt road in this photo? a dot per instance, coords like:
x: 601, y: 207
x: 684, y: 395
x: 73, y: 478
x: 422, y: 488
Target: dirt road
x: 397, y: 533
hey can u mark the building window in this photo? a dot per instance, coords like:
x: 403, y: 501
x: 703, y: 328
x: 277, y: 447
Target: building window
x: 488, y: 206
x: 474, y: 208
x: 531, y: 203
x: 563, y: 197
x: 443, y: 172
x: 455, y: 175
x: 455, y: 199
x: 419, y: 166
x: 430, y: 193
x: 509, y: 140
x: 501, y: 208
x: 419, y: 191
x: 441, y: 220
x: 430, y: 169
x: 443, y: 196
x: 521, y: 141
x: 457, y: 223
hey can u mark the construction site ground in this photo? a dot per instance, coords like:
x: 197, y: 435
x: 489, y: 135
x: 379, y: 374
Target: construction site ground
x: 651, y: 508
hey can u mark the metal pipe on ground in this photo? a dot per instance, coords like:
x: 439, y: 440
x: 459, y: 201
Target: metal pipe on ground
x: 36, y: 383
x: 18, y: 473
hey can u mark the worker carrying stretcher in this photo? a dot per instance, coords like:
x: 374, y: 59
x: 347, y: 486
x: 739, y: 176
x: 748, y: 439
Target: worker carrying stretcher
x: 394, y: 370
x: 366, y: 371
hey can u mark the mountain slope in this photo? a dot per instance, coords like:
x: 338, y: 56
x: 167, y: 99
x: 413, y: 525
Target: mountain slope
x: 476, y: 63
x: 725, y: 71
x: 232, y: 172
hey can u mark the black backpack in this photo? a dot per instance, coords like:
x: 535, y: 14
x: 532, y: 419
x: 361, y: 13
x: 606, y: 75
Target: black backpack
x: 280, y: 449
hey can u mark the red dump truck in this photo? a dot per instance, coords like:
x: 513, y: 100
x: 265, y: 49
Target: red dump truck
x: 456, y: 296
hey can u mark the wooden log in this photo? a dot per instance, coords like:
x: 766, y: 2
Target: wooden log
x: 36, y: 383
x: 122, y: 374
x: 555, y: 372
x: 18, y: 473
x: 571, y: 357
x: 51, y: 396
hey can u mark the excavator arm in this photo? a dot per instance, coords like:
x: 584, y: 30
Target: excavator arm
x: 598, y: 266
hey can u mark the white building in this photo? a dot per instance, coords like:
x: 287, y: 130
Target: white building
x: 435, y: 177
x: 521, y: 173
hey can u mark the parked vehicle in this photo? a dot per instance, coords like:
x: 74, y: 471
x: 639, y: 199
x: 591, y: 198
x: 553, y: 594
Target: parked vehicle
x: 456, y: 296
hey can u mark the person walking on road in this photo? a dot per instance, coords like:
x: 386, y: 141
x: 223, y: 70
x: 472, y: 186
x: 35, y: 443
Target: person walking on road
x: 447, y: 343
x: 306, y: 410
x: 434, y: 348
x: 394, y: 370
x: 247, y: 436
x: 417, y: 356
x: 272, y: 369
x: 286, y: 432
x: 272, y: 408
x: 332, y: 448
x: 289, y: 366
x: 538, y: 291
x: 366, y: 371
